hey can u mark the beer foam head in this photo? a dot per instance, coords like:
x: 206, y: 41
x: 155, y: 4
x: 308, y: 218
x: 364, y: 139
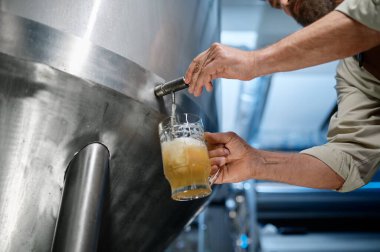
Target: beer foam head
x: 178, y: 142
x: 188, y: 141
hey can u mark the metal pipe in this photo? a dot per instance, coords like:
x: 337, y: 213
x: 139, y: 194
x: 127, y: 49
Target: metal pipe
x: 201, y: 231
x: 166, y: 88
x: 251, y: 196
x: 84, y: 192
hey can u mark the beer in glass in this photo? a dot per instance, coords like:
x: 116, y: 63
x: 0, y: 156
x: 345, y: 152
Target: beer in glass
x: 185, y: 156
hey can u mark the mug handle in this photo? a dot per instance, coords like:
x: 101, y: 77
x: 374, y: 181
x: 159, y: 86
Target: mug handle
x: 213, y: 178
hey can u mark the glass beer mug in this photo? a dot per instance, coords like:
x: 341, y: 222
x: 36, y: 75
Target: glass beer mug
x: 185, y: 157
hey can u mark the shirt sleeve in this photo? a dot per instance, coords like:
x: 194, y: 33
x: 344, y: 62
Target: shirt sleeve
x: 340, y: 162
x: 366, y: 12
x: 353, y: 147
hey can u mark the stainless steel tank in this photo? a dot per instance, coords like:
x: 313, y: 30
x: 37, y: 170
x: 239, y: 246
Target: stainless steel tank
x: 79, y: 75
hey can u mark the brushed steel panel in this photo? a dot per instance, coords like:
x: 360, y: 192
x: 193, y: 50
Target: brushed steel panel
x: 59, y: 91
x: 46, y: 116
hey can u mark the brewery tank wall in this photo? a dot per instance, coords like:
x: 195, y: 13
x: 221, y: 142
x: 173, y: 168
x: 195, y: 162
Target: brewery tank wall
x: 78, y: 72
x: 162, y: 36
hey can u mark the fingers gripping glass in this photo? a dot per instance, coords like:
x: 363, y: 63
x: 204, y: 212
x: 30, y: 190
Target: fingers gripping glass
x: 185, y: 157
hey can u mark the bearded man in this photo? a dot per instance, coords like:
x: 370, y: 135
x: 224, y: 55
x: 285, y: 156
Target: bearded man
x: 348, y: 31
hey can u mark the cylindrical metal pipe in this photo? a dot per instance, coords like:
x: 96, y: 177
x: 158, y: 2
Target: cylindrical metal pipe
x: 162, y: 89
x: 84, y: 192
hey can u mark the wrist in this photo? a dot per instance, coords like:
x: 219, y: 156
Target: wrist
x: 253, y: 69
x: 261, y: 62
x: 257, y: 164
x: 267, y: 60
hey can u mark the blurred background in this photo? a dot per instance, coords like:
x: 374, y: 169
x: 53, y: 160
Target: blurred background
x: 282, y: 112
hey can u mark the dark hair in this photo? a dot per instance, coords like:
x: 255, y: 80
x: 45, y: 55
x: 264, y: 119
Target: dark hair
x: 306, y: 12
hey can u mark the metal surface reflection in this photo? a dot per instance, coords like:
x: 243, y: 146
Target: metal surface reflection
x: 29, y: 40
x: 49, y: 111
x: 81, y: 211
x: 46, y: 117
x: 162, y: 35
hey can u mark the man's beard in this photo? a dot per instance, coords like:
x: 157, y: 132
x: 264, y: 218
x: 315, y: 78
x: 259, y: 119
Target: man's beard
x: 306, y: 12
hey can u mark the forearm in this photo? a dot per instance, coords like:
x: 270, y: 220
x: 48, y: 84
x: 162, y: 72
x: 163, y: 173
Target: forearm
x: 296, y: 169
x: 333, y: 37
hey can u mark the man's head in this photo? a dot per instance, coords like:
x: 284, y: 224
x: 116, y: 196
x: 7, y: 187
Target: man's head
x: 306, y: 12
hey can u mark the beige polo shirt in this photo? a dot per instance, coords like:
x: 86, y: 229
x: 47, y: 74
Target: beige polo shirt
x: 353, y: 147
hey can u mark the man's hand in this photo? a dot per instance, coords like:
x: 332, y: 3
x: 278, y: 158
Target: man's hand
x: 231, y: 154
x: 219, y: 61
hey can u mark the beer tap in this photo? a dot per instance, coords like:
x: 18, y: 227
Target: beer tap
x: 169, y: 87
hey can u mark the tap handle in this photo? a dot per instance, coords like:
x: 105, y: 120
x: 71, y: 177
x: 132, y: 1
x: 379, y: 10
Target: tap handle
x: 162, y: 89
